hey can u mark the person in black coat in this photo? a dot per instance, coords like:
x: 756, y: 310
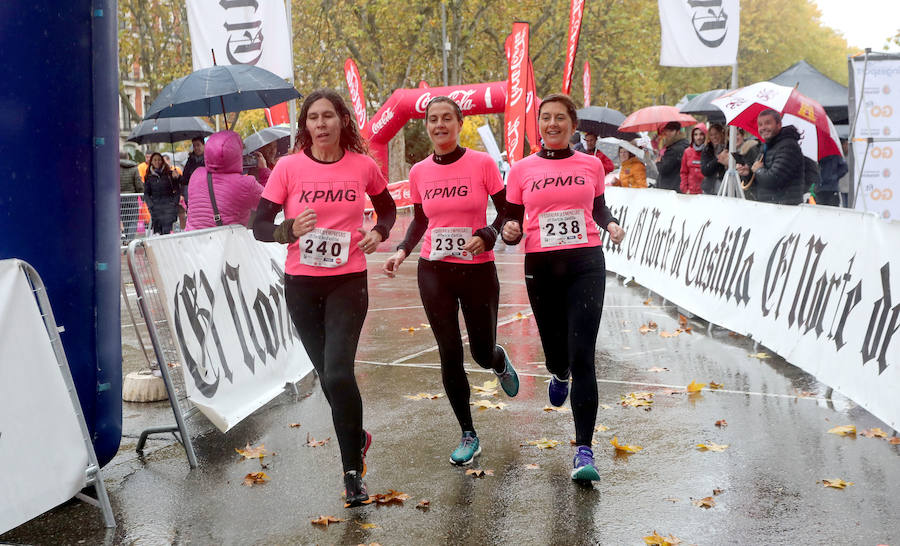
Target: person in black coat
x: 669, y: 165
x: 711, y: 159
x: 162, y: 191
x: 779, y: 173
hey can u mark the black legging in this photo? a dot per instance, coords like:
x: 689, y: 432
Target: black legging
x: 566, y: 289
x: 329, y: 313
x: 445, y: 287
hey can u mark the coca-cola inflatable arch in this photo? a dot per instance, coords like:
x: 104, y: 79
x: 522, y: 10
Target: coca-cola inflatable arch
x: 406, y: 104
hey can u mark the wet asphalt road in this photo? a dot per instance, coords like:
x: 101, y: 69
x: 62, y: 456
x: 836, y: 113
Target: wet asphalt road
x: 778, y: 449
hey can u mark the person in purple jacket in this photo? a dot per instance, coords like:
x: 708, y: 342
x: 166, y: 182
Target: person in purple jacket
x: 236, y: 194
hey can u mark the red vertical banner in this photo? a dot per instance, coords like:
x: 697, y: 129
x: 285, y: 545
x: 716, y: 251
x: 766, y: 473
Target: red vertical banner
x: 278, y: 114
x: 575, y: 13
x: 357, y: 97
x: 531, y: 111
x: 586, y: 83
x: 516, y: 92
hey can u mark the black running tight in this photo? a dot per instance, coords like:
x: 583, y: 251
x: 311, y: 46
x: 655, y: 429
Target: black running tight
x: 566, y: 289
x: 445, y: 288
x: 329, y: 313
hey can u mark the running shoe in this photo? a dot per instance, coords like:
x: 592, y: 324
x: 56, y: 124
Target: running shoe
x: 558, y: 390
x: 355, y: 491
x: 509, y: 379
x: 367, y: 441
x: 583, y: 468
x: 469, y: 447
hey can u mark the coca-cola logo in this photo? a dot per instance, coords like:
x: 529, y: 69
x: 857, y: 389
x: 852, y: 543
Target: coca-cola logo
x: 353, y: 86
x: 386, y: 116
x: 462, y: 97
x: 516, y: 65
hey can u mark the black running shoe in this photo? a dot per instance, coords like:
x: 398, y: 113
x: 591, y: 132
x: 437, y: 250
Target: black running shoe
x: 355, y: 490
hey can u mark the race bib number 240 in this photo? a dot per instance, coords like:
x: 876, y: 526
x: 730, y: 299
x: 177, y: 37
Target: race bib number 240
x: 325, y: 248
x: 563, y: 227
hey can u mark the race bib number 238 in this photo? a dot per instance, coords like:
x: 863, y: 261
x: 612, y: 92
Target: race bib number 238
x: 325, y: 248
x: 563, y: 227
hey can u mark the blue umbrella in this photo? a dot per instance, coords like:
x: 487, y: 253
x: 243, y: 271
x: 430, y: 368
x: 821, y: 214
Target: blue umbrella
x: 169, y: 130
x: 221, y: 89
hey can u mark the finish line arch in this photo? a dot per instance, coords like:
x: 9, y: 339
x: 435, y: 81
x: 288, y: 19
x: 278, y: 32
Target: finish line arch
x: 406, y: 104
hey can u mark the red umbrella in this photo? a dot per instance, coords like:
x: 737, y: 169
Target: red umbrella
x: 819, y: 138
x: 651, y: 117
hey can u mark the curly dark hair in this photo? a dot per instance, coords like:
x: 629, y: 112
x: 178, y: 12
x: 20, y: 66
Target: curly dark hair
x: 166, y: 170
x: 350, y: 136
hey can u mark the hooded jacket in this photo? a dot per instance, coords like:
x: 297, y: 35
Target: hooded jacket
x: 129, y: 178
x: 236, y: 194
x: 781, y: 178
x: 633, y: 174
x: 669, y: 165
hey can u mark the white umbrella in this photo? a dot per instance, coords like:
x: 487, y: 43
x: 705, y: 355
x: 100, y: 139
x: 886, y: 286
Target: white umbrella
x: 619, y: 143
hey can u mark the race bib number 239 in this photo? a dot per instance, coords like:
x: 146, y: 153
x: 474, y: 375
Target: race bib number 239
x: 563, y: 227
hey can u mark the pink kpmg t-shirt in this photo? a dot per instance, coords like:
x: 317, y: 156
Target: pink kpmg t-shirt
x: 558, y: 195
x: 454, y: 196
x: 335, y: 192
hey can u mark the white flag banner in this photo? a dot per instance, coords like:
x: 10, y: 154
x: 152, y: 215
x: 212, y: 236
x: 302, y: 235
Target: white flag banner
x: 251, y: 32
x: 699, y: 32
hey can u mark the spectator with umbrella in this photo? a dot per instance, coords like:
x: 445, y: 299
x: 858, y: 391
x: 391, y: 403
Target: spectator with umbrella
x: 714, y: 159
x: 673, y: 140
x: 691, y: 175
x: 162, y: 191
x: 590, y: 148
x: 779, y: 173
x: 194, y: 160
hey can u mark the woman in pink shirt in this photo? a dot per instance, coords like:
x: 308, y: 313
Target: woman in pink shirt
x: 321, y: 190
x: 456, y: 268
x: 561, y: 193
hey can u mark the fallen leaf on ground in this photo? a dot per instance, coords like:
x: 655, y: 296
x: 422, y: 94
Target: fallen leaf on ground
x: 424, y: 396
x: 424, y: 505
x: 532, y: 466
x: 312, y: 442
x: 543, y: 443
x: 705, y: 502
x: 487, y: 386
x: 423, y: 325
x: 486, y: 404
x: 601, y: 428
x: 843, y: 430
x: 682, y: 320
x: 695, y: 387
x: 718, y: 491
x: 391, y: 497
x: 174, y: 364
x: 648, y: 301
x: 368, y: 526
x: 721, y: 423
x: 669, y: 334
x: 836, y: 483
x: 874, y: 433
x: 294, y: 425
x: 714, y: 385
x: 657, y: 369
x: 894, y: 441
x: 647, y: 328
x: 760, y: 356
x: 605, y: 406
x: 252, y: 452
x: 410, y: 329
x: 637, y: 399
x: 656, y: 540
x: 712, y: 447
x: 325, y: 520
x: 561, y: 409
x: 255, y: 478
x: 519, y: 316
x: 805, y: 394
x: 672, y: 499
x: 479, y: 473
x: 624, y: 447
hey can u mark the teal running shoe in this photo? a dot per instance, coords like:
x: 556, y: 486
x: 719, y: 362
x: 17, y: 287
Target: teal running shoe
x: 509, y: 379
x: 469, y: 447
x: 583, y: 465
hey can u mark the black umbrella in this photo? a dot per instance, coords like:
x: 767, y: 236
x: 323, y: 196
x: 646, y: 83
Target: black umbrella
x: 603, y: 122
x: 169, y: 130
x: 221, y: 89
x: 702, y: 105
x: 270, y: 134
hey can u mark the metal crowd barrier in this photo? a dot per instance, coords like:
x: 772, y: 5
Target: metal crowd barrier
x: 134, y: 218
x: 161, y: 336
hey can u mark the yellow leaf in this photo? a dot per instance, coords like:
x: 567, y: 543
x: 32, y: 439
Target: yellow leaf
x: 255, y: 478
x: 561, y: 409
x: 695, y: 387
x: 624, y: 447
x: 712, y: 447
x: 894, y: 441
x: 312, y: 442
x: 252, y: 452
x: 637, y: 399
x: 368, y: 526
x: 714, y: 385
x: 423, y: 396
x: 705, y: 502
x: 601, y: 428
x: 874, y: 433
x: 843, y: 430
x: 543, y: 443
x: 411, y: 329
x: 325, y: 520
x: 836, y: 483
x: 486, y: 404
x: 391, y: 497
x: 646, y: 328
x: 656, y: 540
x: 682, y: 320
x: 669, y: 334
x: 760, y: 356
x: 488, y: 388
